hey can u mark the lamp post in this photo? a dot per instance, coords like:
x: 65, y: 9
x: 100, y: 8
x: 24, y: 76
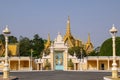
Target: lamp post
x: 31, y: 60
x: 113, y: 32
x: 81, y: 61
x: 6, y: 32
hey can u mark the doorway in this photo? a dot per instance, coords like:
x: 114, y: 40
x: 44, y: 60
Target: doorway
x: 102, y: 66
x: 58, y: 61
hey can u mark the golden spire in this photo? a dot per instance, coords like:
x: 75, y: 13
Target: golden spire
x: 68, y: 38
x: 68, y: 32
x: 89, y: 41
x: 89, y: 46
x: 48, y: 42
x: 48, y: 37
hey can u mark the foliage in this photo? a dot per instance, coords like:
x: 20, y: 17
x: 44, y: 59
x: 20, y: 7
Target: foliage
x: 70, y: 63
x: 95, y: 52
x: 47, y: 51
x: 2, y: 38
x: 24, y: 46
x: 36, y: 44
x: 47, y: 64
x: 106, y: 48
x: 12, y: 39
x: 78, y: 51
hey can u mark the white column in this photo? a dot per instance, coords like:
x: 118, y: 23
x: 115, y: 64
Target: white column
x: 52, y: 57
x: 9, y: 63
x: 114, y: 64
x: 74, y: 66
x: 41, y: 66
x: 29, y: 64
x: 108, y: 64
x: 97, y: 64
x: 113, y: 32
x: 19, y: 64
x: 6, y: 65
x: 65, y: 59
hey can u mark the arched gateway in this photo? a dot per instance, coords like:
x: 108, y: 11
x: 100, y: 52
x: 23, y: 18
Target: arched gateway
x: 59, y: 56
x: 58, y: 53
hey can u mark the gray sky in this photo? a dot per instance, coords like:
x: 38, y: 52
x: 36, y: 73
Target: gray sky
x: 29, y: 17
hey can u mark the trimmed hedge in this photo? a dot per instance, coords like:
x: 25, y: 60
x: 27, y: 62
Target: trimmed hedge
x: 106, y: 48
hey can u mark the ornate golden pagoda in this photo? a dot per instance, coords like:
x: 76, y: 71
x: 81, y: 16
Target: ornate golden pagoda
x: 68, y: 38
x: 12, y: 48
x: 88, y: 46
x: 47, y: 45
x: 71, y: 41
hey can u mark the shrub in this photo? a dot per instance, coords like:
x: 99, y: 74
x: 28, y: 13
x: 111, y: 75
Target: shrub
x: 70, y: 63
x: 106, y: 48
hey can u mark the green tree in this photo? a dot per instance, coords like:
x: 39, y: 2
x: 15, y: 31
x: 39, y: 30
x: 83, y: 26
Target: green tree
x: 70, y: 63
x: 12, y: 39
x: 2, y: 38
x: 24, y: 46
x: 106, y: 48
x: 37, y: 45
x: 78, y: 51
x: 95, y: 52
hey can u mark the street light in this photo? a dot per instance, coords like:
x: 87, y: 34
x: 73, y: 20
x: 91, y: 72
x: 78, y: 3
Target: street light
x: 113, y: 32
x: 6, y: 32
x: 31, y: 59
x: 81, y: 60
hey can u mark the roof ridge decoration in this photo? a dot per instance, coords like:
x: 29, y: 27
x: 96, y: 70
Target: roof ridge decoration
x: 68, y: 37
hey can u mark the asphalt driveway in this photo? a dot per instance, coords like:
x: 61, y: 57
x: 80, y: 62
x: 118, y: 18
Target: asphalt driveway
x: 60, y: 75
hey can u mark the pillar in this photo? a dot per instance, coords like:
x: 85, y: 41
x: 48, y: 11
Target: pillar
x: 108, y: 64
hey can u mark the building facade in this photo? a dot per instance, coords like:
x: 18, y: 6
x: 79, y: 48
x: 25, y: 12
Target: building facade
x: 58, y: 57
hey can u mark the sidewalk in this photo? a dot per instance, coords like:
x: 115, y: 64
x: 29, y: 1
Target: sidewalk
x: 10, y: 78
x: 110, y: 78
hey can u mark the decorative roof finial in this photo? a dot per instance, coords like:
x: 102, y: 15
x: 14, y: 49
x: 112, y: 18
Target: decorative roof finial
x: 68, y: 32
x: 89, y: 41
x: 48, y: 42
x: 48, y: 37
x: 113, y: 25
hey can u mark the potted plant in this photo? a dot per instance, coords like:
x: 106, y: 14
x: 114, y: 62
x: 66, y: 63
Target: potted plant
x: 47, y: 65
x: 70, y: 64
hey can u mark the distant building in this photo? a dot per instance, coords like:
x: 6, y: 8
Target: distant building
x: 13, y: 49
x: 58, y: 57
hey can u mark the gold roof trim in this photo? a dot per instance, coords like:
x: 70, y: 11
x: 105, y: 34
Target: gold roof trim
x: 48, y: 43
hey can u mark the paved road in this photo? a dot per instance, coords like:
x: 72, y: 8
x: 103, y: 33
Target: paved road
x: 60, y: 75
